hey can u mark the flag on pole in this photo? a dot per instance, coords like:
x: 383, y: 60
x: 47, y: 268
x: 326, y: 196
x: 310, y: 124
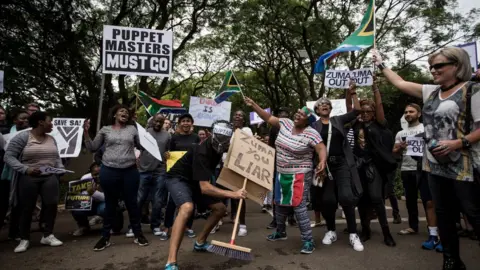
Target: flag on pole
x: 362, y: 38
x: 229, y: 87
x: 153, y: 105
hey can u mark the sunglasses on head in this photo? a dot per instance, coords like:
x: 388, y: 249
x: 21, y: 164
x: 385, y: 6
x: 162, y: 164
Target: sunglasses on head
x: 441, y: 65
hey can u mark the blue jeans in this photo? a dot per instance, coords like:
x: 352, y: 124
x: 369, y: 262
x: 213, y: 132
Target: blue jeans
x: 152, y: 185
x: 81, y: 217
x: 117, y: 183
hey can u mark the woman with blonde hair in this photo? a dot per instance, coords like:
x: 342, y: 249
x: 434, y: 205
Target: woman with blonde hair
x: 452, y: 131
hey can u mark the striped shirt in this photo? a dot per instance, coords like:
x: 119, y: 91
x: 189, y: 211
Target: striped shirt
x: 40, y: 153
x: 351, y: 138
x: 295, y: 152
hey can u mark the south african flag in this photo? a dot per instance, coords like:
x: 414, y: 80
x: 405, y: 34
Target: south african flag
x: 289, y: 189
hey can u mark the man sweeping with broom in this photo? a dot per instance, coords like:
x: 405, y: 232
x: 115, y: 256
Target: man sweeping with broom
x: 188, y: 182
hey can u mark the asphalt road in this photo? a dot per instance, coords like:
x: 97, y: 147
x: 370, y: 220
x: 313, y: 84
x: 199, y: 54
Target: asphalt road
x: 77, y: 252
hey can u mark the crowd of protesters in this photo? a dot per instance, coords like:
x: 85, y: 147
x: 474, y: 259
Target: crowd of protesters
x: 347, y: 160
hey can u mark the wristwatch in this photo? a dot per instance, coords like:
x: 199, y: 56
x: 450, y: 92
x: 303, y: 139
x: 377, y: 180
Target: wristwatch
x: 465, y: 143
x: 381, y: 66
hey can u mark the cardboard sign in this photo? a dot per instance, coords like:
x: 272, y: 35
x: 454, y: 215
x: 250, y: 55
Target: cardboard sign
x: 174, y: 157
x: 205, y: 111
x: 234, y: 181
x: 77, y: 198
x: 251, y: 158
x: 46, y: 170
x: 255, y: 118
x: 148, y: 142
x: 137, y: 51
x: 415, y: 146
x: 68, y: 133
x: 341, y: 78
x: 471, y: 49
x: 339, y: 107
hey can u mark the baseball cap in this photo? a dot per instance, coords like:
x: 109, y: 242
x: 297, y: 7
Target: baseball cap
x: 185, y: 115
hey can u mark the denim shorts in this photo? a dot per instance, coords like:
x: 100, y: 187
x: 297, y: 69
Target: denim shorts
x: 182, y: 192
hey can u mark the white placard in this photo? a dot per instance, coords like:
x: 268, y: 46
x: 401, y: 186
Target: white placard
x: 51, y: 170
x: 339, y: 107
x: 148, y: 142
x: 137, y: 51
x: 415, y: 146
x: 1, y: 81
x: 68, y: 133
x: 255, y: 118
x: 205, y: 111
x: 341, y: 78
x: 222, y: 130
x: 403, y: 122
x: 471, y: 49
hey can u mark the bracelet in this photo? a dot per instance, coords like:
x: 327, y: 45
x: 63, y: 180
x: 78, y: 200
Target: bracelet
x: 381, y: 66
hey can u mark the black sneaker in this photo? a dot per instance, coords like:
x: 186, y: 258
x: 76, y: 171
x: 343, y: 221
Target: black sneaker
x: 272, y: 225
x: 277, y: 236
x: 141, y: 240
x: 102, y: 244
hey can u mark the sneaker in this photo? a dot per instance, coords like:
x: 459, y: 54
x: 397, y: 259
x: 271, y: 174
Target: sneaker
x: 431, y: 243
x: 129, y: 234
x: 51, y: 241
x: 277, y: 236
x: 171, y: 266
x: 80, y: 231
x: 308, y: 247
x: 200, y: 247
x: 141, y: 240
x: 164, y: 236
x: 264, y: 208
x: 272, y: 225
x: 190, y: 233
x: 95, y: 220
x: 102, y: 244
x: 439, y: 247
x: 157, y: 232
x: 220, y: 222
x: 242, y: 231
x: 22, y: 246
x: 397, y: 219
x: 215, y: 229
x: 329, y: 238
x: 355, y: 242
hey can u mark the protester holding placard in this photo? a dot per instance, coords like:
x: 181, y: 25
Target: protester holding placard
x: 375, y: 163
x: 26, y: 153
x: 119, y: 174
x: 451, y: 117
x: 344, y: 187
x: 4, y: 129
x: 189, y: 183
x: 296, y: 144
x: 183, y: 140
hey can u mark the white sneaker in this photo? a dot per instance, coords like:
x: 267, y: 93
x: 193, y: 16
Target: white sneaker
x: 329, y: 238
x: 95, y: 220
x: 355, y: 242
x: 22, y: 246
x: 129, y: 234
x: 51, y: 241
x: 242, y: 231
x: 215, y: 229
x: 157, y: 232
x: 220, y: 222
x: 80, y: 231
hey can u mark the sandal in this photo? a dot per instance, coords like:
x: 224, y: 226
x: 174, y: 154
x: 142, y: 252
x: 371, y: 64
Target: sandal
x: 407, y: 231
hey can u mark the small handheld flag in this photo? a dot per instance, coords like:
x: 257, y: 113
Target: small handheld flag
x: 229, y: 87
x: 362, y: 38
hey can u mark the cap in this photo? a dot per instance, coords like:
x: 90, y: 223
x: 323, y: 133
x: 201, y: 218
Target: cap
x: 185, y: 115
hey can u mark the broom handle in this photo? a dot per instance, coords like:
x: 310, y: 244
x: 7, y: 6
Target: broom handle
x: 237, y: 217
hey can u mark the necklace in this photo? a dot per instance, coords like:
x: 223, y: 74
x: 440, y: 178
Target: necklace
x: 449, y: 87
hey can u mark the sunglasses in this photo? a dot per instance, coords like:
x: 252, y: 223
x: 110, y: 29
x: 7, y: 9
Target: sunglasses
x: 441, y: 65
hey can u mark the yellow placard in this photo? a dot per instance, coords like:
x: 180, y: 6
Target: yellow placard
x: 174, y: 157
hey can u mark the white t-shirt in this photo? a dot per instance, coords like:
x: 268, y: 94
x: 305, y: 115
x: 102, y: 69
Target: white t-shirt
x: 408, y: 163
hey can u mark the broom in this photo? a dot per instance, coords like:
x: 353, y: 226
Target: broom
x: 230, y: 249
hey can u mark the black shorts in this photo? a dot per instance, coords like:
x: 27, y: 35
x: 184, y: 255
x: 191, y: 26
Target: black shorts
x: 181, y: 192
x: 423, y: 186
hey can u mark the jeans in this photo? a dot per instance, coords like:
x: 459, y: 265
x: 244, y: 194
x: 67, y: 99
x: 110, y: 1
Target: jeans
x: 29, y: 189
x: 152, y: 184
x: 339, y: 190
x: 116, y: 183
x: 13, y: 230
x: 410, y: 184
x: 81, y: 217
x: 373, y: 188
x: 447, y: 193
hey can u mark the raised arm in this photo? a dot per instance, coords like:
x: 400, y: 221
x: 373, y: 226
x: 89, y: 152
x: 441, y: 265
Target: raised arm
x: 379, y: 113
x: 272, y: 120
x: 409, y: 88
x: 94, y: 145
